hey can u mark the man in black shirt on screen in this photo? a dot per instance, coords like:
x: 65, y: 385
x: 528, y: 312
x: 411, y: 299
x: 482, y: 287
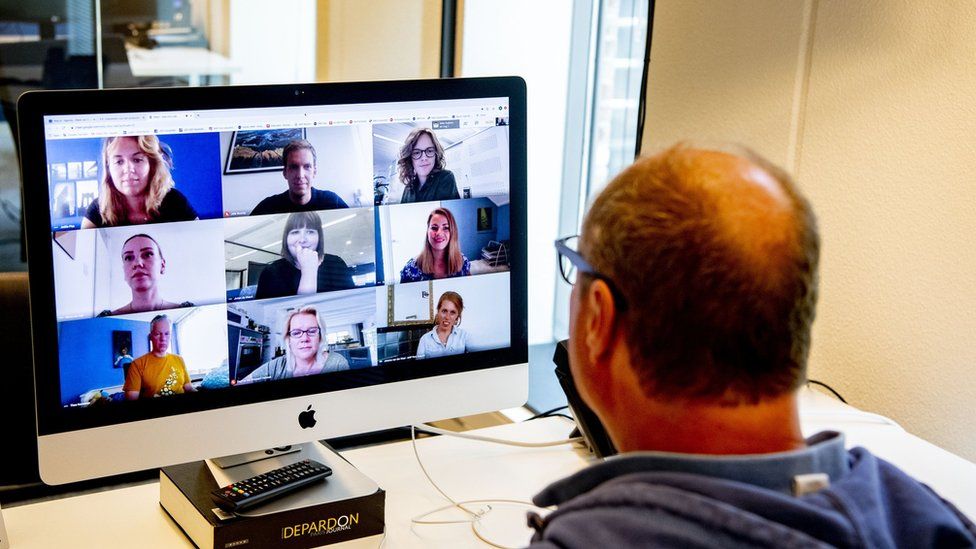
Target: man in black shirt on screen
x: 301, y: 196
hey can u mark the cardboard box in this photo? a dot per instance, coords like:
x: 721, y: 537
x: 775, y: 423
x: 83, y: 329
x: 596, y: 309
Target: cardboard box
x: 346, y: 506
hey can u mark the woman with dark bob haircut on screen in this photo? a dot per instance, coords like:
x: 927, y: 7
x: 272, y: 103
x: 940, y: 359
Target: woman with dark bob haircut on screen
x: 441, y: 256
x: 304, y: 267
x: 136, y: 186
x: 422, y: 170
x: 306, y: 352
x: 447, y: 337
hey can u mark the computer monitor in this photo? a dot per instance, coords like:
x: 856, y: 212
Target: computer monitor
x: 406, y: 301
x: 46, y: 13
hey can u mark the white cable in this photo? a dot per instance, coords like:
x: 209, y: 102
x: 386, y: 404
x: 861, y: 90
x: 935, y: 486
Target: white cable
x: 475, y: 517
x: 436, y: 431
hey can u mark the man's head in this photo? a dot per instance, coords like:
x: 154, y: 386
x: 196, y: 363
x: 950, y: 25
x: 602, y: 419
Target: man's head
x: 159, y: 334
x: 711, y: 259
x: 300, y: 162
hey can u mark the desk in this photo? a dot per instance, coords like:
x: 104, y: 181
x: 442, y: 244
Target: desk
x: 192, y: 62
x: 465, y: 470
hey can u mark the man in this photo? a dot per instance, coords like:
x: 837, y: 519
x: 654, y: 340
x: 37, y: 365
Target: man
x: 301, y: 196
x: 689, y: 332
x: 157, y: 373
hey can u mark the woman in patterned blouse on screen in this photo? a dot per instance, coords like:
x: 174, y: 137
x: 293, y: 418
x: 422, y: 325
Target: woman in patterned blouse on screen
x: 441, y: 255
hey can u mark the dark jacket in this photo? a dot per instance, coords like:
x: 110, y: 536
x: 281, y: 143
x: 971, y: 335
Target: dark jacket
x: 281, y: 203
x: 280, y: 278
x: 440, y: 185
x: 664, y: 500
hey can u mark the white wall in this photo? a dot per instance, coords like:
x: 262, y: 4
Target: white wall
x: 271, y: 42
x: 201, y: 333
x: 379, y: 39
x: 74, y: 275
x: 404, y: 230
x: 531, y: 40
x: 870, y: 104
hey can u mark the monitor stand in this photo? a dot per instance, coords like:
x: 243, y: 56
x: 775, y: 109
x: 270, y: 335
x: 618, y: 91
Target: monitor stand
x: 346, y: 481
x: 250, y: 457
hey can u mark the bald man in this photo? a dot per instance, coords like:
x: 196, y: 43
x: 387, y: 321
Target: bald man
x: 695, y: 284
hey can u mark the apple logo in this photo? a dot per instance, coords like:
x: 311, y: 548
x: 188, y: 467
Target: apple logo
x: 307, y: 418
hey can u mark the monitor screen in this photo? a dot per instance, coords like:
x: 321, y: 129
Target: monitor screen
x: 207, y: 264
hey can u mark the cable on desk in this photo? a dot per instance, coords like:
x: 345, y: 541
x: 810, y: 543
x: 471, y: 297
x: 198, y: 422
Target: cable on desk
x: 436, y: 431
x: 474, y: 516
x: 548, y: 413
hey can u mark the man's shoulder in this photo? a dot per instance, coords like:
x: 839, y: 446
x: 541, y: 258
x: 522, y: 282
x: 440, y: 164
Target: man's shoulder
x: 632, y: 512
x: 325, y: 199
x: 271, y: 204
x: 703, y: 510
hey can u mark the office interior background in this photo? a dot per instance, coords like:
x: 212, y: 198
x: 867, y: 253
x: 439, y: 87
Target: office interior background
x: 869, y: 104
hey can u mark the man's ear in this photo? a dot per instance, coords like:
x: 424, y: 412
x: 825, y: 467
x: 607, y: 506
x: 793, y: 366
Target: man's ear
x: 599, y: 320
x: 162, y: 266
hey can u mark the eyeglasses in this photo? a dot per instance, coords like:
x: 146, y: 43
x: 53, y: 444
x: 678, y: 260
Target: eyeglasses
x: 429, y: 152
x: 571, y: 263
x: 312, y: 332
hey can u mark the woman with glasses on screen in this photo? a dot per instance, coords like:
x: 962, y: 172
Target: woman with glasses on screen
x: 422, y: 170
x: 304, y: 267
x: 441, y: 256
x: 136, y: 186
x: 447, y: 337
x: 306, y: 353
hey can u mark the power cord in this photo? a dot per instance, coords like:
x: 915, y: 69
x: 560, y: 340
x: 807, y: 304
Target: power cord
x: 474, y: 517
x: 828, y: 387
x: 436, y: 431
x: 549, y: 413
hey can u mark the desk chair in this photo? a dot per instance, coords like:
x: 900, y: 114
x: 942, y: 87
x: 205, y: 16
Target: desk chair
x: 17, y: 404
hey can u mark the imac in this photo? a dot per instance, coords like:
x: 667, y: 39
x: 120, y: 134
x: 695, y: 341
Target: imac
x: 215, y: 271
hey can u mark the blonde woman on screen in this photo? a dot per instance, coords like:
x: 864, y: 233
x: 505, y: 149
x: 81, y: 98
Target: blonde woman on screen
x: 136, y: 186
x: 306, y: 352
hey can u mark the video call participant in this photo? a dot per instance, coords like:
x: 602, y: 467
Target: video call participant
x: 305, y: 351
x: 299, y: 171
x: 157, y: 373
x: 447, y: 337
x: 304, y: 268
x: 422, y: 170
x: 142, y: 266
x: 136, y: 187
x: 441, y: 256
x: 690, y: 322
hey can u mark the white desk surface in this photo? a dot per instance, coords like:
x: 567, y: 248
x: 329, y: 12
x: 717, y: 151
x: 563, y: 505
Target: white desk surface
x: 464, y: 469
x: 192, y: 62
